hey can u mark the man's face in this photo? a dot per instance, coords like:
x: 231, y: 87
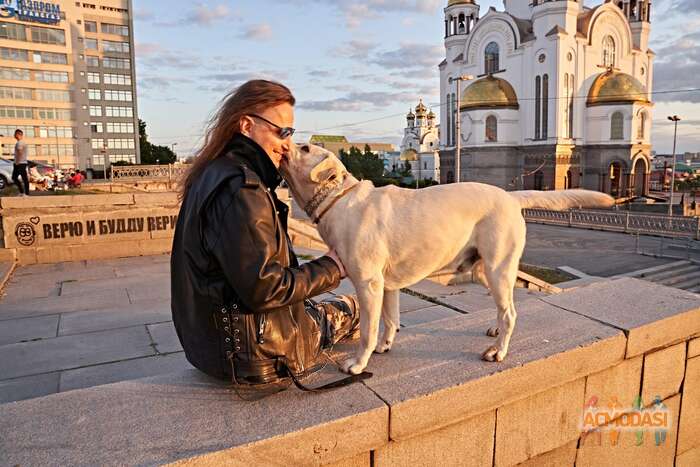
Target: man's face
x: 19, y: 136
x: 267, y: 135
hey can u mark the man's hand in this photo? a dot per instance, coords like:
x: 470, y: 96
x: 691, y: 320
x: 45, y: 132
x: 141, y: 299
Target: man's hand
x: 334, y: 256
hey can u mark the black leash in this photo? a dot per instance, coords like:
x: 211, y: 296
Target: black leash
x: 334, y: 384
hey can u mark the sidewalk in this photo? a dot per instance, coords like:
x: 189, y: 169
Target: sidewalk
x: 75, y: 325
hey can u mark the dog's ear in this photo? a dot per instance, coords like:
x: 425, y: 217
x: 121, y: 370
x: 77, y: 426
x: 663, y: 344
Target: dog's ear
x: 324, y: 170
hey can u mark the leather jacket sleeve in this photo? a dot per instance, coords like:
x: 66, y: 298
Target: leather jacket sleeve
x: 248, y: 249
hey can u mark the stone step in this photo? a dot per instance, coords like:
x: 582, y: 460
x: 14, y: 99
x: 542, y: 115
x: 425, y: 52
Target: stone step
x: 654, y: 269
x: 679, y: 278
x: 659, y: 276
x: 685, y: 285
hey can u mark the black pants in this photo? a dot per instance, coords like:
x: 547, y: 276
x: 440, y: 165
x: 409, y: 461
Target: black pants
x: 20, y: 170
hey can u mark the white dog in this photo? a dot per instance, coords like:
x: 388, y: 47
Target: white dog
x: 374, y: 231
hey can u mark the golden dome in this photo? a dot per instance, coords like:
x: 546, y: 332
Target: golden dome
x: 489, y: 93
x: 614, y: 87
x: 421, y: 109
x: 431, y: 115
x: 410, y: 115
x: 459, y: 2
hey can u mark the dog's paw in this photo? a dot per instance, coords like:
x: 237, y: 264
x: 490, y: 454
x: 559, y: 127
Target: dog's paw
x: 492, y: 332
x: 352, y: 367
x: 492, y: 354
x: 382, y: 347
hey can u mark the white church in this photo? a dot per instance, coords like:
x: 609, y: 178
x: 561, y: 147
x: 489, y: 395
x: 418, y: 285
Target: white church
x: 420, y: 145
x: 559, y: 95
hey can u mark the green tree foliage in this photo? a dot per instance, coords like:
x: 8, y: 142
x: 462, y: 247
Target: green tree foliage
x: 363, y: 165
x: 150, y: 153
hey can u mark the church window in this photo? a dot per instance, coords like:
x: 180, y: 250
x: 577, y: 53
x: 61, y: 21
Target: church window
x: 545, y: 105
x: 608, y: 51
x: 453, y: 111
x: 448, y: 135
x: 491, y: 128
x: 571, y: 106
x: 538, y: 90
x: 491, y: 58
x: 566, y: 108
x: 642, y: 124
x: 461, y: 25
x: 617, y: 126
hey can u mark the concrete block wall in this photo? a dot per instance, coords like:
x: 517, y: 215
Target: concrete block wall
x: 431, y: 401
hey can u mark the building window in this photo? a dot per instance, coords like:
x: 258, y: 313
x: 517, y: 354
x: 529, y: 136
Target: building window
x: 48, y: 35
x: 123, y: 80
x: 90, y: 44
x: 16, y: 112
x: 51, y: 76
x: 93, y: 78
x: 120, y: 127
x: 117, y: 29
x: 112, y: 46
x: 97, y: 143
x: 123, y: 63
x: 491, y: 128
x: 608, y: 51
x: 16, y: 74
x: 617, y: 126
x: 642, y: 125
x: 95, y: 111
x: 8, y: 130
x: 53, y: 95
x: 545, y: 105
x: 54, y: 114
x: 538, y: 100
x: 7, y: 92
x: 119, y: 111
x: 50, y: 57
x: 120, y: 143
x: 461, y: 24
x: 114, y: 95
x: 55, y: 132
x: 90, y: 26
x: 122, y: 157
x: 92, y: 61
x: 94, y: 94
x: 17, y: 55
x: 491, y: 58
x: 96, y: 127
x: 13, y: 31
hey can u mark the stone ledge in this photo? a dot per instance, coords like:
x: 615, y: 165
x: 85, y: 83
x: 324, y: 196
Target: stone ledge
x: 189, y: 415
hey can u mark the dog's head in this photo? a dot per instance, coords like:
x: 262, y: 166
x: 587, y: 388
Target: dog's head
x: 307, y: 167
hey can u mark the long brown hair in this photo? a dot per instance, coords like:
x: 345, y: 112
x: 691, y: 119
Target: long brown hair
x: 253, y: 96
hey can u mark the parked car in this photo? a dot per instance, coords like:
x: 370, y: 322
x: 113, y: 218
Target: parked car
x: 6, y: 167
x: 48, y: 171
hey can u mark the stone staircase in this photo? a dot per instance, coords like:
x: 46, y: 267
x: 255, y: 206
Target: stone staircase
x: 679, y: 274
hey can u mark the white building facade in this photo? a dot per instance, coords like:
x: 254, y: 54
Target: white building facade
x: 560, y: 95
x: 420, y: 144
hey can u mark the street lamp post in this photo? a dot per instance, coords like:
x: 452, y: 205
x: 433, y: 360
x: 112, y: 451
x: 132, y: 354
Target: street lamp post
x: 458, y: 124
x: 675, y: 119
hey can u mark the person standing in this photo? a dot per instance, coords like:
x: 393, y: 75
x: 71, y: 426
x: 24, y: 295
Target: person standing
x: 20, y: 167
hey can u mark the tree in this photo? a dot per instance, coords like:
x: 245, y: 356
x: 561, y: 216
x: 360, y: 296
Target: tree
x: 153, y: 153
x: 363, y: 165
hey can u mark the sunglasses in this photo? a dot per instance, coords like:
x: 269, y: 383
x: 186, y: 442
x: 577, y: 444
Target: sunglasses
x: 282, y: 132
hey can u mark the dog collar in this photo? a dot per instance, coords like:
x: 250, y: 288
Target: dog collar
x: 322, y: 195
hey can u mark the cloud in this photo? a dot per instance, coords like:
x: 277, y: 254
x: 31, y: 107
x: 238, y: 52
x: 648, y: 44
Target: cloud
x: 355, y: 49
x: 200, y: 15
x: 157, y: 82
x: 169, y: 58
x: 144, y: 49
x: 225, y: 82
x: 262, y: 31
x: 320, y: 73
x: 677, y: 69
x: 143, y: 14
x: 409, y: 55
x: 686, y: 6
x: 358, y: 101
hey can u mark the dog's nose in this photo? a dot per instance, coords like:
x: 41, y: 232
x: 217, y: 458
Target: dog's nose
x: 305, y: 148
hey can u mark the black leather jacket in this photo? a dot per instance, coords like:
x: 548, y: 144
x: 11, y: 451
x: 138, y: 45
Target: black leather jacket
x: 237, y: 287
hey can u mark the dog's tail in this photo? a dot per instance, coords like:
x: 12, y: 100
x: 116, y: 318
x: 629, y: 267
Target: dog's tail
x: 562, y: 199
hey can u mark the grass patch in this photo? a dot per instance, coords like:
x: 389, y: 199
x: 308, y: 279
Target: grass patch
x: 553, y: 276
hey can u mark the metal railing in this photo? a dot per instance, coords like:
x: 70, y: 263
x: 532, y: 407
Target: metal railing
x: 629, y: 222
x: 168, y: 172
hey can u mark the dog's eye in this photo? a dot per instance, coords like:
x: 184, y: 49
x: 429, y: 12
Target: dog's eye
x: 305, y: 148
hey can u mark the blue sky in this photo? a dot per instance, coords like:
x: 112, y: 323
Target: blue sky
x: 348, y: 62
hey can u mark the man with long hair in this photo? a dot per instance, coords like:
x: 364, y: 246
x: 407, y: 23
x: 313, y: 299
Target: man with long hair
x: 240, y: 299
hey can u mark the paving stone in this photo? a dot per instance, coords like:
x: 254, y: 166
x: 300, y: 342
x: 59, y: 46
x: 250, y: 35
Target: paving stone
x: 153, y: 290
x: 689, y: 458
x: 146, y: 312
x: 619, y: 383
x: 121, y: 371
x: 426, y: 315
x: 466, y: 443
x: 88, y: 286
x: 23, y: 290
x: 564, y: 456
x: 24, y: 329
x: 539, y: 423
x: 52, y: 305
x: 434, y: 375
x: 361, y: 460
x: 28, y: 387
x: 437, y: 290
x: 142, y: 422
x: 689, y: 428
x: 663, y: 373
x: 694, y: 348
x: 477, y: 298
x: 165, y: 337
x: 652, y: 315
x: 143, y: 270
x: 409, y: 302
x: 62, y: 353
x: 626, y: 452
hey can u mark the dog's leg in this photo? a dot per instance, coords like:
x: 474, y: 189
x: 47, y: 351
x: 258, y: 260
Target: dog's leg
x: 502, y: 282
x: 370, y: 294
x: 391, y: 318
